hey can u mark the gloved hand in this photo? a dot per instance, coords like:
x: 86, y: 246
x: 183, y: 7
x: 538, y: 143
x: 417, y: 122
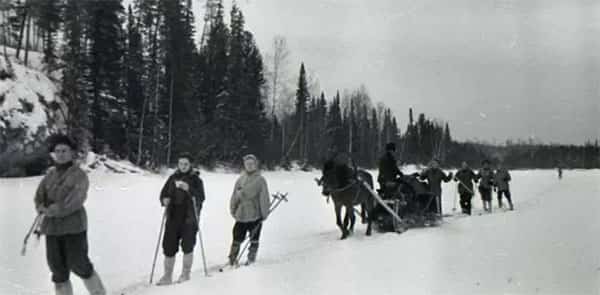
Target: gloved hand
x: 184, y: 186
x: 166, y: 201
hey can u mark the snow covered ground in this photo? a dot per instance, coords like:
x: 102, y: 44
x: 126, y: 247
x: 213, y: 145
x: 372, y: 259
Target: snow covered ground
x: 549, y: 245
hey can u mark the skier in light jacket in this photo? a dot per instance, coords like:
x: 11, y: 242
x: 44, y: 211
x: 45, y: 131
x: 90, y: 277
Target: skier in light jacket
x: 249, y: 207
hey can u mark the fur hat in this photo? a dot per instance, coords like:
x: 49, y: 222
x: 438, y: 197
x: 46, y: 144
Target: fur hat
x: 57, y: 139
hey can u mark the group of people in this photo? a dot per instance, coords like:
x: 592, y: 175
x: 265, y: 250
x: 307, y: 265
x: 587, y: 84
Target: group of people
x: 391, y: 178
x: 59, y: 201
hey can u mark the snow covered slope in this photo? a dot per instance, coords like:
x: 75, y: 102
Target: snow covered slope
x: 25, y: 99
x: 549, y: 245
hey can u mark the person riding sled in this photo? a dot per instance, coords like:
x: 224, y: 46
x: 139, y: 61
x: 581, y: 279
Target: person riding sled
x: 182, y: 195
x: 390, y: 176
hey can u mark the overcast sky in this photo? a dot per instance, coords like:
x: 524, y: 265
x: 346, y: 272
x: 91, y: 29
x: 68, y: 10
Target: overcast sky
x: 494, y: 69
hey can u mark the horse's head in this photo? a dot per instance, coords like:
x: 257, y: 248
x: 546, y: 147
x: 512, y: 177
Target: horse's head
x: 329, y: 180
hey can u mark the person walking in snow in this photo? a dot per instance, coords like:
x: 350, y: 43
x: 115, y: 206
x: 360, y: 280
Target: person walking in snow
x: 486, y: 182
x: 434, y: 176
x: 182, y: 195
x: 59, y: 199
x: 465, y: 178
x: 249, y: 206
x: 501, y: 180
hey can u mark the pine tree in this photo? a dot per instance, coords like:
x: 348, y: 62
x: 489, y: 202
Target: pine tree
x: 105, y: 59
x: 335, y: 129
x: 137, y: 99
x: 74, y: 84
x: 302, y: 96
x: 48, y: 19
x: 177, y: 38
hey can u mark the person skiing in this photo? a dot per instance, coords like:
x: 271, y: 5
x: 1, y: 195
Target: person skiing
x: 486, y: 182
x: 182, y: 195
x: 434, y: 176
x: 59, y: 199
x: 249, y: 206
x: 465, y: 178
x: 501, y: 180
x: 560, y: 171
x: 389, y: 174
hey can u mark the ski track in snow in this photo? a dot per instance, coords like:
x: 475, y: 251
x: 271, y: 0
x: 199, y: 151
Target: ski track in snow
x: 548, y: 245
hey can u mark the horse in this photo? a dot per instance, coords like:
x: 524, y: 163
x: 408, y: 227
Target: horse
x: 348, y: 193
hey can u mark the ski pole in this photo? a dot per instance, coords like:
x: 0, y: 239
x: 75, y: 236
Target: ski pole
x: 197, y: 215
x: 160, y: 232
x: 279, y: 198
x: 31, y: 229
x: 202, y: 250
x: 454, y: 203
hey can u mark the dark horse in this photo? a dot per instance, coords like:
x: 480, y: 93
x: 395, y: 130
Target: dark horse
x: 348, y: 193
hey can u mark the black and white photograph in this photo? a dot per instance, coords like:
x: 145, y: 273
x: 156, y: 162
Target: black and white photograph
x: 299, y: 147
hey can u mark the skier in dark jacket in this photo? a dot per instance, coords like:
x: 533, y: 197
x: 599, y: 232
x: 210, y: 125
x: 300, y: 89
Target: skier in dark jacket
x: 486, y: 182
x: 389, y: 175
x: 59, y: 199
x: 501, y: 180
x: 183, y: 195
x: 434, y: 176
x: 465, y: 178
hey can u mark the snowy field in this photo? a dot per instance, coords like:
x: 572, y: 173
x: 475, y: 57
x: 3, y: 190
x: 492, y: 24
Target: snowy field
x: 549, y: 245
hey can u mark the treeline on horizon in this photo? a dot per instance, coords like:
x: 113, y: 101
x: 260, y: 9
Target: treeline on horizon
x: 135, y: 85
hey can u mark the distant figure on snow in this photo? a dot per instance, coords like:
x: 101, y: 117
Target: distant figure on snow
x: 182, y: 195
x: 560, y: 172
x: 465, y: 178
x: 59, y: 199
x: 501, y: 180
x: 486, y: 183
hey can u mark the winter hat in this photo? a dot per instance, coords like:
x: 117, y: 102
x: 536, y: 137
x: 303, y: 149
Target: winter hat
x: 250, y: 157
x: 57, y: 139
x: 186, y: 155
x: 390, y: 146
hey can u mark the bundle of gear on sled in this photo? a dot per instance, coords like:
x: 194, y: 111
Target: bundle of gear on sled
x: 411, y: 198
x: 413, y: 201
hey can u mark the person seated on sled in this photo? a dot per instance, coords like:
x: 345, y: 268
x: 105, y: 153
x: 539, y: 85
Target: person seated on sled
x: 339, y: 164
x: 389, y: 175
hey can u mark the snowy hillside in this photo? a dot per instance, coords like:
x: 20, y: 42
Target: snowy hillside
x: 25, y: 99
x: 549, y: 245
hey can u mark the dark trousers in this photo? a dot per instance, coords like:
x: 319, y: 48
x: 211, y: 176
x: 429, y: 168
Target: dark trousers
x: 486, y: 193
x: 240, y: 229
x: 505, y: 193
x: 179, y: 234
x: 465, y: 203
x: 66, y: 253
